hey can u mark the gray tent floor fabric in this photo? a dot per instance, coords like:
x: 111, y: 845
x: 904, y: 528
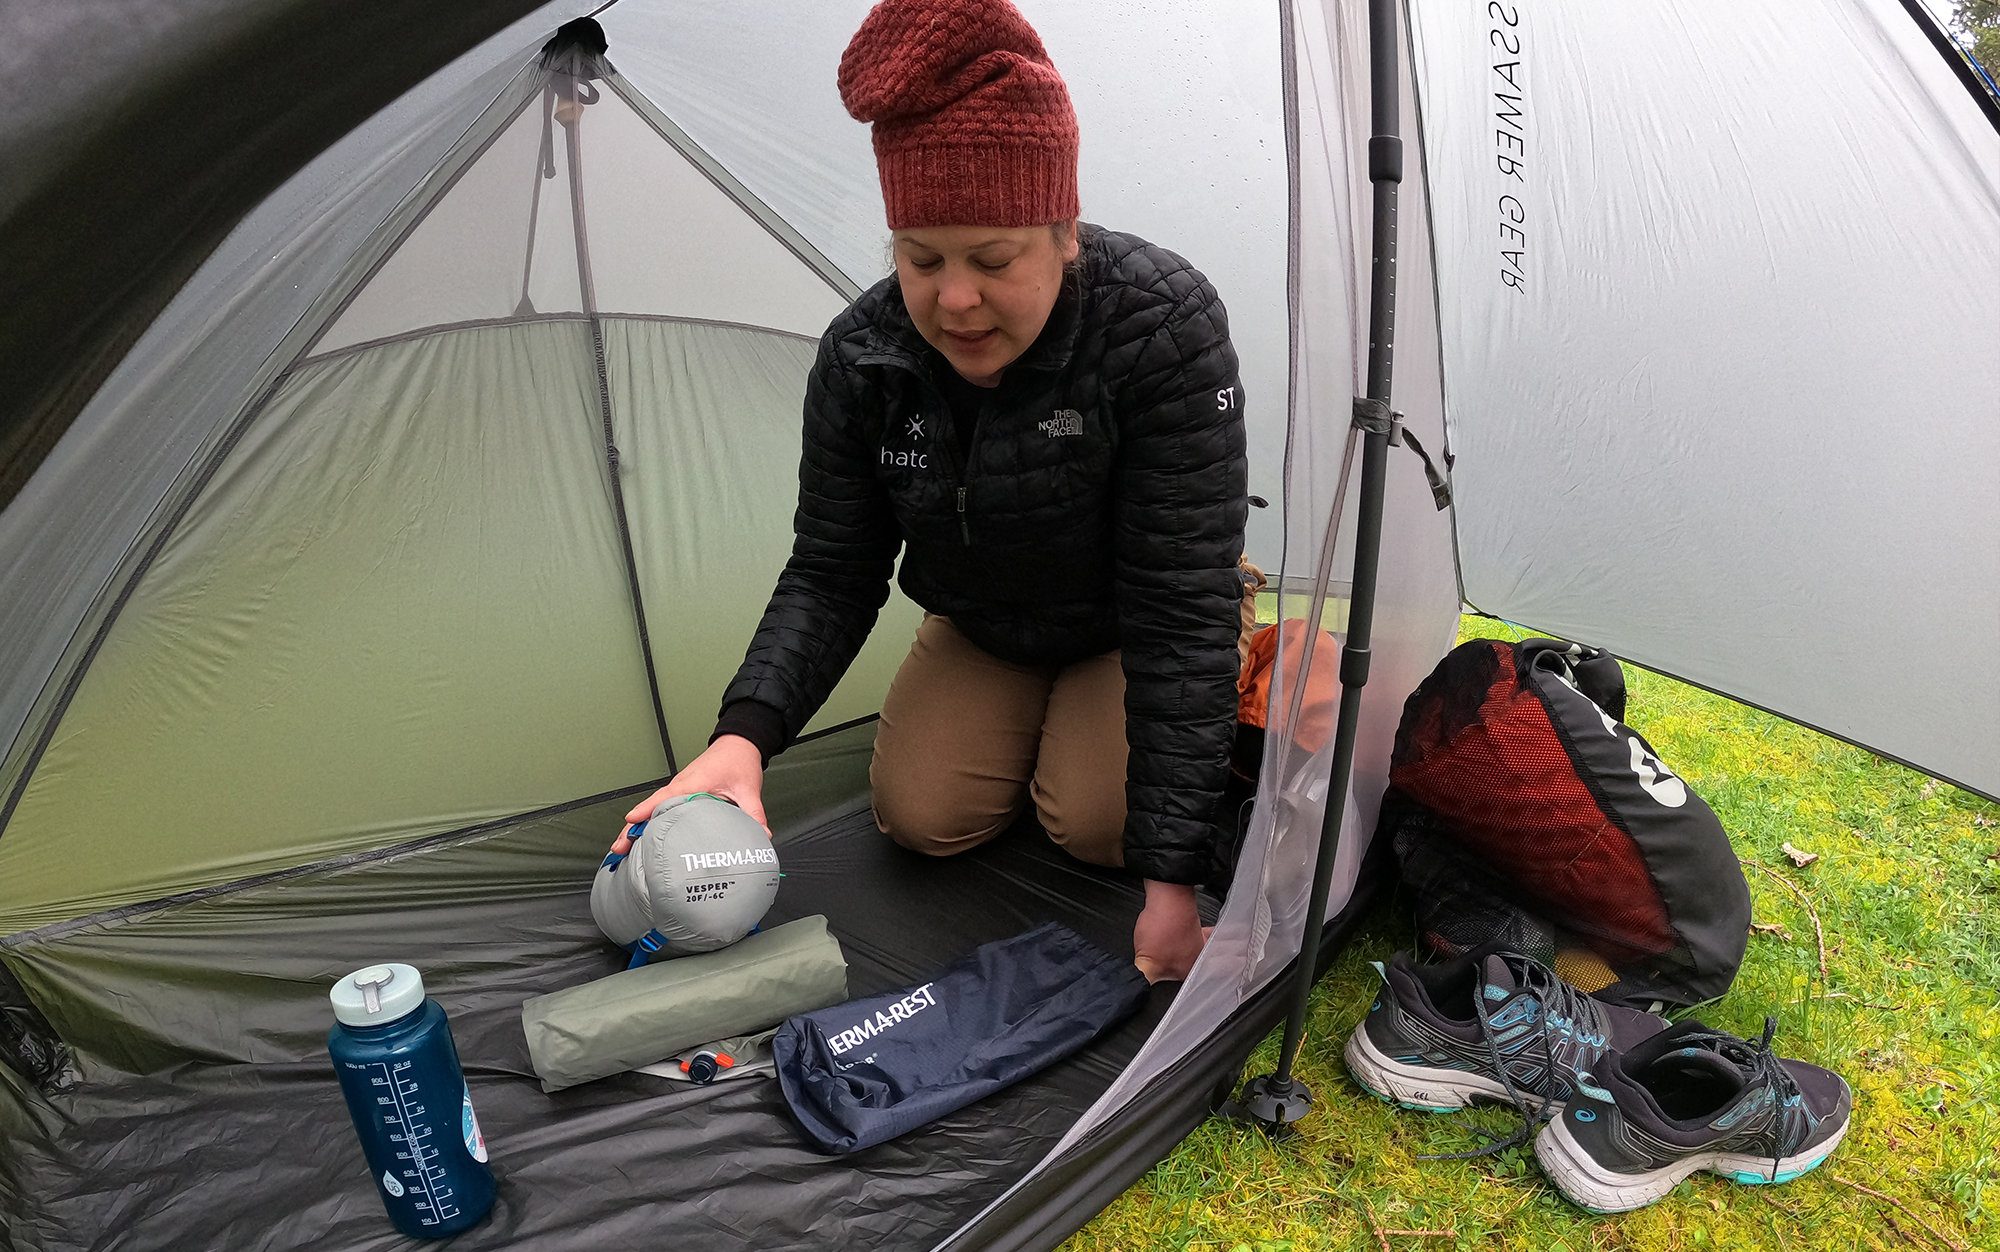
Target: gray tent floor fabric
x: 232, y: 1154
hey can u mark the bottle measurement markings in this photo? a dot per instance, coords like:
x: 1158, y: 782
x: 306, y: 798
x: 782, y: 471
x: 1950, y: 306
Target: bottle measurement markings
x: 425, y: 1176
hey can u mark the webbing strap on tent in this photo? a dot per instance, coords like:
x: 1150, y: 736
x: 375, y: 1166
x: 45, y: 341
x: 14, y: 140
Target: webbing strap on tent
x: 1375, y: 417
x: 570, y: 93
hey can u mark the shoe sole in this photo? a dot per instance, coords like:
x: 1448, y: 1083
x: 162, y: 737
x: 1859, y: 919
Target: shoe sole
x: 1424, y: 1088
x: 1601, y: 1190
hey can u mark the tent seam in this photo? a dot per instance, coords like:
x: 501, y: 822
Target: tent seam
x: 481, y: 323
x: 56, y: 930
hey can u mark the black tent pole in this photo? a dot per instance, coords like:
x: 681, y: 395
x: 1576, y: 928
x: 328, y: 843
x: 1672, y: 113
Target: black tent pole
x: 1277, y: 1098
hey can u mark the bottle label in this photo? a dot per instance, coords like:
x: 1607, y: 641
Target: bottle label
x: 390, y: 1185
x: 468, y: 1124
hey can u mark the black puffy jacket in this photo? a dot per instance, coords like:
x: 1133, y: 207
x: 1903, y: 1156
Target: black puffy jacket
x: 1101, y: 506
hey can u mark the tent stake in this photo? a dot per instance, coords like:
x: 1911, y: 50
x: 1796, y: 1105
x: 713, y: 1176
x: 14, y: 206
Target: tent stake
x: 1277, y: 1099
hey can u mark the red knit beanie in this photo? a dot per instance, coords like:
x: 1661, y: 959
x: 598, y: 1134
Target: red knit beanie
x: 973, y: 126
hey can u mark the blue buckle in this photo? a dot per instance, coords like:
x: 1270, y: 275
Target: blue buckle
x: 611, y: 860
x: 642, y: 950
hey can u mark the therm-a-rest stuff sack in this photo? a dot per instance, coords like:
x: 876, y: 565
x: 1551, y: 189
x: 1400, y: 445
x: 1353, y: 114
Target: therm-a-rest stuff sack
x: 1526, y: 813
x: 701, y: 873
x: 866, y: 1071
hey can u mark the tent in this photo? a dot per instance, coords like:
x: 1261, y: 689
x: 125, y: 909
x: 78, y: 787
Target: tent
x: 397, y: 450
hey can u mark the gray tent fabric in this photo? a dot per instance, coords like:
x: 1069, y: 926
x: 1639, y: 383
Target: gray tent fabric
x: 126, y: 166
x: 326, y: 584
x: 416, y: 508
x: 1704, y: 417
x: 204, y: 357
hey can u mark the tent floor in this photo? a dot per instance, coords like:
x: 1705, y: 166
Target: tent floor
x: 241, y: 1155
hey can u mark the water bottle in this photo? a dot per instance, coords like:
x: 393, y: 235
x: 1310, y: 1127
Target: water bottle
x: 393, y: 1052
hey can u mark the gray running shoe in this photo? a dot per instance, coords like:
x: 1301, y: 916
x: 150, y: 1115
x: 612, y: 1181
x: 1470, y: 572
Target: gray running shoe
x: 1687, y: 1099
x: 1488, y: 1026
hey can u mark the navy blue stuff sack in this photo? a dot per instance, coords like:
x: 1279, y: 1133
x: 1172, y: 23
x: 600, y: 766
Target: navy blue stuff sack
x: 861, y: 1073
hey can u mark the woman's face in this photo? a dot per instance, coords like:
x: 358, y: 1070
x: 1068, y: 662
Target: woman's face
x: 980, y: 294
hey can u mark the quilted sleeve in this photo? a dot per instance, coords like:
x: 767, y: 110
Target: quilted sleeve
x: 844, y: 548
x: 1181, y: 504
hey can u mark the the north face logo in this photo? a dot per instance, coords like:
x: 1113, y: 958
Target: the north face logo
x: 1065, y: 422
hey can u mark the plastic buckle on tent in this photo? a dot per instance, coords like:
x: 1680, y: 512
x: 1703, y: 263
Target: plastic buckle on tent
x: 642, y: 950
x: 1377, y: 418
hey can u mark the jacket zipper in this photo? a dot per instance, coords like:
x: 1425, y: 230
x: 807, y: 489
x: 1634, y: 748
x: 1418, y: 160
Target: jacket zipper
x: 963, y: 466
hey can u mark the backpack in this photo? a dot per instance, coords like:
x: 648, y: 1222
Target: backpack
x: 1526, y: 814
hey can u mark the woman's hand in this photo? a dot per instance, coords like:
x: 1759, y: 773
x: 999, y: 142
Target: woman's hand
x: 1169, y: 934
x: 732, y: 768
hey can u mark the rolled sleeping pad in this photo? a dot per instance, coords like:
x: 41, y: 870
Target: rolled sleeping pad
x: 701, y: 873
x: 640, y: 1016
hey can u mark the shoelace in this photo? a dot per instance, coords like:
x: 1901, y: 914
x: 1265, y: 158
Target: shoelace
x: 1760, y: 1063
x: 1557, y: 999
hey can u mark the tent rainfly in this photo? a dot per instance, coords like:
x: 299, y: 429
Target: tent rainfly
x: 395, y: 457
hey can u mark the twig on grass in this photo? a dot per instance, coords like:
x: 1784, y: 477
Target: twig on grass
x: 1906, y: 1236
x: 1947, y: 1241
x: 1780, y: 1205
x: 1422, y: 1234
x: 1842, y: 995
x: 1381, y: 1240
x: 1819, y: 931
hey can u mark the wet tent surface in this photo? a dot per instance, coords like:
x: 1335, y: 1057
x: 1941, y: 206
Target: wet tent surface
x: 237, y: 1155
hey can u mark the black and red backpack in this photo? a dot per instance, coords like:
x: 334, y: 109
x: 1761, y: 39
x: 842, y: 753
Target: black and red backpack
x: 1526, y: 813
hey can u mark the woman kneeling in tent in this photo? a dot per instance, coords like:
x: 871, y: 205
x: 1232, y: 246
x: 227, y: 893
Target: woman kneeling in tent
x: 1048, y: 416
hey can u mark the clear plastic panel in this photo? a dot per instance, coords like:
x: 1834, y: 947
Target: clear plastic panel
x: 664, y: 240
x: 501, y: 233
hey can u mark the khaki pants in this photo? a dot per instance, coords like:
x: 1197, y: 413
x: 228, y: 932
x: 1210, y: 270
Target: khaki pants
x: 967, y: 740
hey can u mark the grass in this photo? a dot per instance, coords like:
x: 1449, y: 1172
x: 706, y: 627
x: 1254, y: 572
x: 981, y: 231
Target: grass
x: 1909, y: 1012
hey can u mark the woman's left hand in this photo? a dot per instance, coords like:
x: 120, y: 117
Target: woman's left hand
x: 1169, y: 934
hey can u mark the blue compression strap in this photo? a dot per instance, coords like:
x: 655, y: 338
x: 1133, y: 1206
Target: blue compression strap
x: 611, y: 861
x: 642, y: 951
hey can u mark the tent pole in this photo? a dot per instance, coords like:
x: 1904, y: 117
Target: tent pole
x: 1278, y: 1098
x: 569, y: 112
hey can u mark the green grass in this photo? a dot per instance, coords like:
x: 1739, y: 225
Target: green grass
x: 1904, y: 888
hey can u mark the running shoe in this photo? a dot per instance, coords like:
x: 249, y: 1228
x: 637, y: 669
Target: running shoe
x: 1487, y: 1026
x: 1692, y: 1098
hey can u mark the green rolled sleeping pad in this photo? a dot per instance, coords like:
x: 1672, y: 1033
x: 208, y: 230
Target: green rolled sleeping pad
x: 644, y: 1015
